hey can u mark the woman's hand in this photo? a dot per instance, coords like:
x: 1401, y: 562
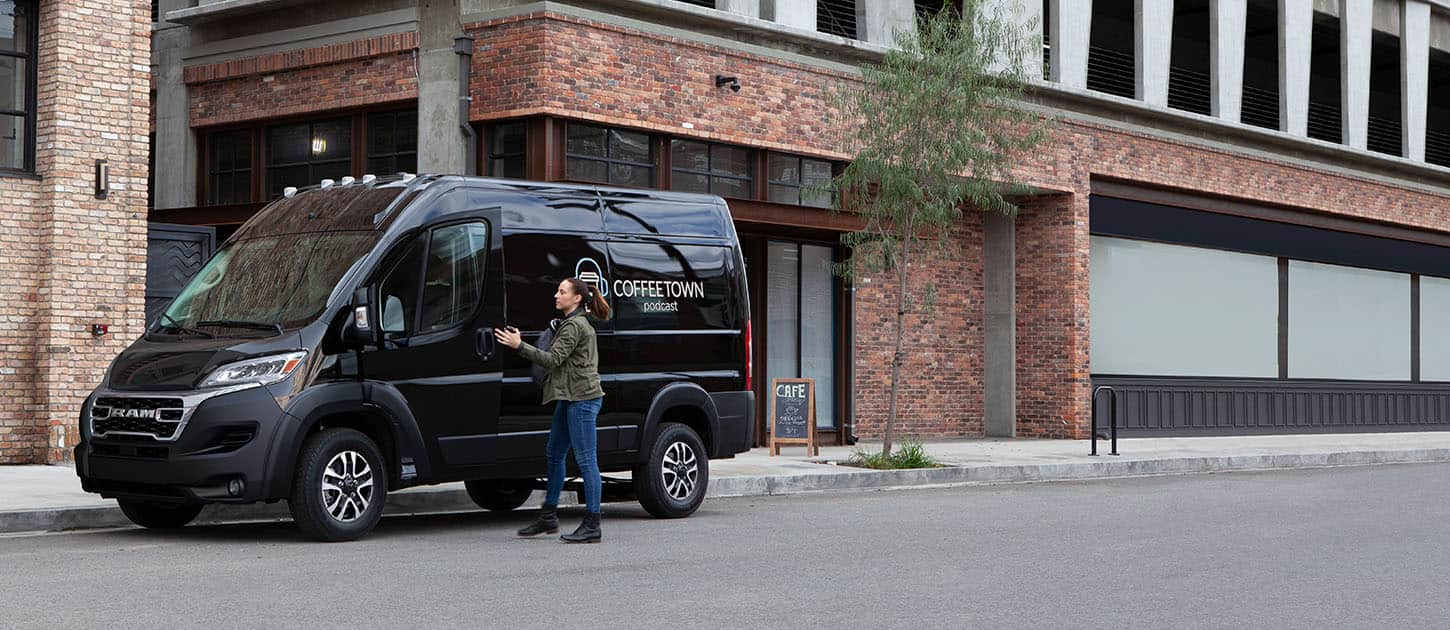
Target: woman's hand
x: 509, y: 337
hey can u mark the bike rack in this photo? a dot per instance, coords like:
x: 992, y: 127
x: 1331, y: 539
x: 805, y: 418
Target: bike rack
x: 1112, y: 418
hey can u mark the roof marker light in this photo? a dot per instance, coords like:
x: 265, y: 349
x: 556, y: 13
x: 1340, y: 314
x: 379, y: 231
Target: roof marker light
x: 289, y: 192
x: 408, y: 177
x: 326, y: 183
x: 347, y: 181
x: 369, y: 179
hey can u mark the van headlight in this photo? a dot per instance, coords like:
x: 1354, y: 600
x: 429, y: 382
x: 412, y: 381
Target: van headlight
x: 261, y: 370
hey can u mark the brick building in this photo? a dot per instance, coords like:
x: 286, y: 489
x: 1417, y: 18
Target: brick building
x: 1241, y: 219
x: 72, y: 241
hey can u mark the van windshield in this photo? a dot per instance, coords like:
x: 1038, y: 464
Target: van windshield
x: 270, y: 283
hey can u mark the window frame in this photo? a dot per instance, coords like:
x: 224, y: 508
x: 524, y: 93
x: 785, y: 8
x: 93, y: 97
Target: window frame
x: 30, y: 57
x: 268, y: 166
x: 211, y: 171
x: 400, y: 256
x: 799, y: 184
x: 710, y: 174
x: 651, y: 139
x: 358, y: 118
x: 367, y: 153
x: 491, y: 133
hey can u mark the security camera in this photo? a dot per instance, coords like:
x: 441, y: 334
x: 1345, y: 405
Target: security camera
x: 733, y: 82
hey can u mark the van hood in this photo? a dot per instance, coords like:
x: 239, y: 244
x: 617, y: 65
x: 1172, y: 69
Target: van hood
x: 181, y: 364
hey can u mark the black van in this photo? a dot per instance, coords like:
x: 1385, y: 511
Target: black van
x: 340, y: 345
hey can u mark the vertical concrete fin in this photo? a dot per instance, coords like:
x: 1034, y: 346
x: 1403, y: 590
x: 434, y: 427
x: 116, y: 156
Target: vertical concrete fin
x: 1414, y: 75
x: 884, y: 19
x: 1027, y: 17
x: 1153, y: 45
x: 442, y: 147
x: 1070, y: 28
x: 1356, y: 25
x: 800, y: 14
x: 1296, y: 33
x: 1227, y: 26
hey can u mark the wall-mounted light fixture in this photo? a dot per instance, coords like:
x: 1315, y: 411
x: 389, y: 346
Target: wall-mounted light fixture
x: 103, y: 179
x: 722, y: 81
x: 319, y: 146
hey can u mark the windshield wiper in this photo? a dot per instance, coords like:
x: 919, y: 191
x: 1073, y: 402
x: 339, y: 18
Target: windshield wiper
x: 177, y: 326
x: 233, y: 323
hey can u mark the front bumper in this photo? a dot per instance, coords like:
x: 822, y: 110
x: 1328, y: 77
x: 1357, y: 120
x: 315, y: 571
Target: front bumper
x: 226, y: 438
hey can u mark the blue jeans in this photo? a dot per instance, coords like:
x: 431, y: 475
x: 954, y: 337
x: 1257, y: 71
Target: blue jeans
x: 574, y: 425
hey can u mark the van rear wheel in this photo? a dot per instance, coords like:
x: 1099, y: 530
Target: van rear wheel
x: 499, y: 495
x: 340, y: 486
x: 672, y: 482
x: 157, y: 515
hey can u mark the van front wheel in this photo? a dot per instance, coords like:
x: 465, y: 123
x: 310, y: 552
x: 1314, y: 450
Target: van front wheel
x: 340, y: 486
x: 672, y: 483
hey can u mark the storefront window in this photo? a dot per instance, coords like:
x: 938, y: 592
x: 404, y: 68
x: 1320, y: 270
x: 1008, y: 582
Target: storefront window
x: 793, y: 178
x: 610, y: 156
x: 800, y: 320
x: 304, y: 154
x: 705, y: 167
x: 508, y: 150
x: 393, y: 142
x: 1348, y: 323
x: 229, y: 167
x: 17, y: 85
x: 1172, y: 310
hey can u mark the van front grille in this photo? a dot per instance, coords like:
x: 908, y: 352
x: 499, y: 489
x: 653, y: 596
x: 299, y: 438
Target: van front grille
x: 155, y: 417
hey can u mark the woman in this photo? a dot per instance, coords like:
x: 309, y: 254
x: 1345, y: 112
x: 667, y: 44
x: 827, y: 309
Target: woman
x: 572, y: 384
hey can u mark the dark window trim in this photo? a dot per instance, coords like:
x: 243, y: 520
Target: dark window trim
x: 26, y: 170
x: 799, y: 184
x: 709, y: 173
x: 489, y: 129
x: 358, y: 158
x: 652, y: 139
x: 368, y: 155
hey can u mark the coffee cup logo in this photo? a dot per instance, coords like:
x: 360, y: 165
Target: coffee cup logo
x: 588, y: 270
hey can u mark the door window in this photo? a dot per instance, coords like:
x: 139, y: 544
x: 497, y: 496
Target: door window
x: 800, y: 320
x: 455, y: 275
x: 452, y: 282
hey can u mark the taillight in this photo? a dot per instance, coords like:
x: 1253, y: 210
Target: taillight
x: 749, y: 359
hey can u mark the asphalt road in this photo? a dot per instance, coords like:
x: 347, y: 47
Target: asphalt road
x: 1352, y: 547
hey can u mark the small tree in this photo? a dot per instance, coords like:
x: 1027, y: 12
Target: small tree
x: 934, y: 127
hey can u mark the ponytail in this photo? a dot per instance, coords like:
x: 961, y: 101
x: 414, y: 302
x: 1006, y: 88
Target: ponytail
x: 593, y: 302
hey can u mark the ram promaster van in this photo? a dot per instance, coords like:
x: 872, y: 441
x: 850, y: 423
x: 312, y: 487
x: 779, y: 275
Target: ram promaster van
x: 340, y: 346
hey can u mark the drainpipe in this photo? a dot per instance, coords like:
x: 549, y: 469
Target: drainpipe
x: 463, y: 47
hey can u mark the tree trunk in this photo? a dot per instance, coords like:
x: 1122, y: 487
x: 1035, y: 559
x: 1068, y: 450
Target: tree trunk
x: 899, y: 356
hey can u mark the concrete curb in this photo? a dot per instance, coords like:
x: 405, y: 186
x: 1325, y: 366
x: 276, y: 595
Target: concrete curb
x: 454, y: 499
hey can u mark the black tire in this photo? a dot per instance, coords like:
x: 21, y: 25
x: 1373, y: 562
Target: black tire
x: 499, y: 495
x: 660, y: 491
x: 154, y: 515
x: 351, y: 511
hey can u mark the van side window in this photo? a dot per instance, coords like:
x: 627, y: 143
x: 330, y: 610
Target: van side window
x: 399, y: 292
x: 454, y: 278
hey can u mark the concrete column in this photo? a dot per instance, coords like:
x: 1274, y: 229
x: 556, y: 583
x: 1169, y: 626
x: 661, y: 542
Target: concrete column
x: 884, y: 19
x: 442, y: 147
x: 1414, y: 75
x: 747, y: 8
x: 800, y: 14
x: 1296, y: 35
x: 1356, y: 25
x: 1227, y: 24
x: 1071, y: 25
x: 999, y: 266
x: 1027, y: 19
x: 1153, y: 45
x: 175, y: 147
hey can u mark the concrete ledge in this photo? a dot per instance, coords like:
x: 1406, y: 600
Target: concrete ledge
x: 453, y: 498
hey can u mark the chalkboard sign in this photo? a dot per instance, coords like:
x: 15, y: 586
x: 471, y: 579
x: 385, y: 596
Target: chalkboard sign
x: 793, y: 414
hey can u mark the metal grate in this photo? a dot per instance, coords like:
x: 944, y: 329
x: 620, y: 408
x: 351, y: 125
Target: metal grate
x: 836, y: 17
x: 1324, y: 122
x: 1384, y: 136
x: 1111, y: 72
x: 1190, y: 91
x: 1437, y: 147
x: 1260, y: 108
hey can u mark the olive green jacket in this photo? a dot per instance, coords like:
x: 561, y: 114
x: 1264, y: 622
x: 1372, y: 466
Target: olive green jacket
x: 572, y: 361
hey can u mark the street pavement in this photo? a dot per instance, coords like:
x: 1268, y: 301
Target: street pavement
x: 1332, y: 547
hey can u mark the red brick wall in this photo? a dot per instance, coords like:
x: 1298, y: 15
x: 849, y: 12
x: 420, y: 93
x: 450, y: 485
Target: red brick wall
x: 69, y: 259
x: 561, y: 65
x: 366, y: 72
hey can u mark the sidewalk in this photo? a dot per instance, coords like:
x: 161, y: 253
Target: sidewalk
x: 41, y: 498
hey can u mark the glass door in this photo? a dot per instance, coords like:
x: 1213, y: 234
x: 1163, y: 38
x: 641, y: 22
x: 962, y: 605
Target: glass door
x: 801, y: 320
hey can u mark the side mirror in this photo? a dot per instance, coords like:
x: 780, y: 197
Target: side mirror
x: 358, y: 330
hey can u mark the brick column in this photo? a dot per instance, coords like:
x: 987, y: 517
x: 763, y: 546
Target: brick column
x: 92, y: 254
x: 1052, y: 317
